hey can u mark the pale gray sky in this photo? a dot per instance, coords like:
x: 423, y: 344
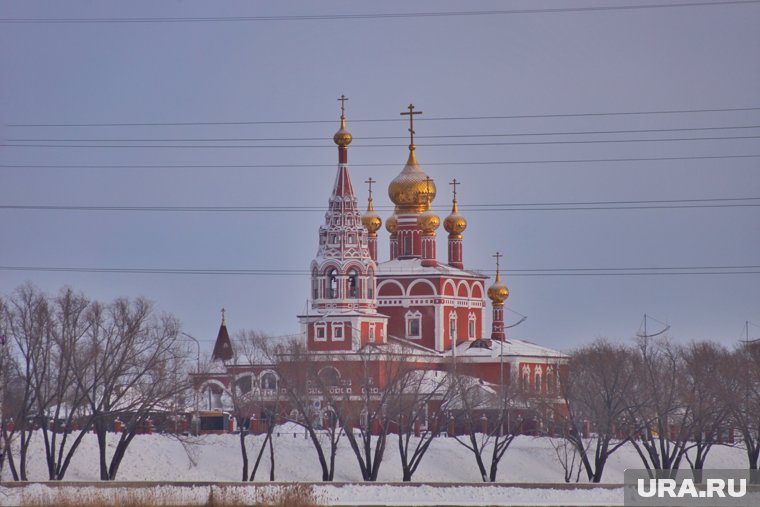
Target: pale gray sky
x: 633, y: 60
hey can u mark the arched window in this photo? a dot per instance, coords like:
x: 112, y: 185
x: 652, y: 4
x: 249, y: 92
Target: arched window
x: 537, y: 379
x: 244, y: 384
x: 371, y: 285
x: 526, y: 378
x: 471, y: 326
x: 332, y: 283
x: 269, y: 381
x: 550, y: 384
x: 353, y: 284
x: 453, y: 326
x: 329, y: 376
x: 314, y: 285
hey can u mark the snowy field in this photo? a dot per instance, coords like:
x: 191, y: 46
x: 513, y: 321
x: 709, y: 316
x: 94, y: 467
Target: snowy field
x: 217, y: 458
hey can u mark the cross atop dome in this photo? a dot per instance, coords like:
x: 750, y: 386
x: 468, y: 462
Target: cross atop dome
x: 411, y: 114
x: 454, y: 184
x: 342, y: 137
x: 342, y: 100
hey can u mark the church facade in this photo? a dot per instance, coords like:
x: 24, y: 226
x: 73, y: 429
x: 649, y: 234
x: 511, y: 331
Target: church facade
x: 413, y: 301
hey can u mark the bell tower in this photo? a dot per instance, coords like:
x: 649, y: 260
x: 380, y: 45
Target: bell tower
x: 343, y: 311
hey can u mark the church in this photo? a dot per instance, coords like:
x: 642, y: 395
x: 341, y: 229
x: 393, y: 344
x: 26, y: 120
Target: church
x: 414, y: 301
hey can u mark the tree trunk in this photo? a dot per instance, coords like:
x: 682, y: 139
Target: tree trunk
x: 102, y: 442
x: 243, y: 453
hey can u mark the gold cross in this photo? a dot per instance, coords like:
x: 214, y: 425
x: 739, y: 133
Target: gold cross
x: 411, y: 114
x: 427, y: 184
x: 498, y: 255
x: 343, y: 100
x: 370, y: 181
x: 454, y: 184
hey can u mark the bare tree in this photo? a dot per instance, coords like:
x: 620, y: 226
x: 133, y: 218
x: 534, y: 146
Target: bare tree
x: 298, y: 375
x: 417, y: 388
x: 568, y: 457
x: 471, y: 399
x: 658, y: 405
x: 597, y: 393
x: 26, y: 317
x: 129, y: 366
x: 379, y: 373
x: 247, y: 396
x: 705, y: 365
x: 742, y: 390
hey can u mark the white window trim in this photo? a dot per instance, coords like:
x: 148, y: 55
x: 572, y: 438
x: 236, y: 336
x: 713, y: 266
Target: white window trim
x: 471, y: 326
x: 453, y: 317
x: 320, y: 326
x: 408, y: 317
x: 371, y: 332
x: 338, y: 326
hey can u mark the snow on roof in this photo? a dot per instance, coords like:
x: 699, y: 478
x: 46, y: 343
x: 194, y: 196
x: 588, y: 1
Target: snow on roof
x: 413, y: 266
x: 512, y: 347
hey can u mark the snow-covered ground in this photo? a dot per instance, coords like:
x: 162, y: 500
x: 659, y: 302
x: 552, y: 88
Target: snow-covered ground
x: 217, y: 458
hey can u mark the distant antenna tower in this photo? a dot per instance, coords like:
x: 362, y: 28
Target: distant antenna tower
x: 523, y: 318
x: 746, y: 341
x: 643, y: 333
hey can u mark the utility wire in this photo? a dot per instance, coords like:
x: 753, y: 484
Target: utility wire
x: 388, y: 15
x: 373, y: 120
x: 393, y: 164
x: 626, y: 271
x: 268, y: 139
x: 731, y: 202
x: 325, y: 145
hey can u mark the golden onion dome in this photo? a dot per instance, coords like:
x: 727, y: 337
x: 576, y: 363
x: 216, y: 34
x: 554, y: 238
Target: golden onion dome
x: 409, y: 190
x: 455, y: 224
x: 391, y: 225
x: 498, y: 292
x: 428, y: 221
x: 342, y: 137
x: 371, y: 220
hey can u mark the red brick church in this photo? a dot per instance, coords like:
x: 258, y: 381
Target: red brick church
x: 415, y: 300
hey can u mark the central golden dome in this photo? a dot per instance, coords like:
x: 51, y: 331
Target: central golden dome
x: 409, y: 190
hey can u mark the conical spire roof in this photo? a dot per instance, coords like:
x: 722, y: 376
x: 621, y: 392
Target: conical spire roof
x: 223, y: 345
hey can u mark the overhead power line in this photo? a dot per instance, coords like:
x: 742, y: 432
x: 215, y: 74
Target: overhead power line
x: 624, y: 271
x: 464, y: 163
x: 326, y: 145
x: 375, y: 16
x: 269, y: 139
x: 372, y: 120
x: 533, y: 206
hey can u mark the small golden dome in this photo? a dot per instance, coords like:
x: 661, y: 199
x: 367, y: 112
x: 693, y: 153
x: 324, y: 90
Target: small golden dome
x: 391, y: 225
x: 428, y: 221
x: 498, y: 292
x: 455, y: 224
x: 342, y: 137
x: 409, y: 190
x: 371, y: 220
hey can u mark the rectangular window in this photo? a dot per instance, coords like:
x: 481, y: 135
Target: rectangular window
x: 337, y: 332
x: 371, y: 332
x: 414, y: 328
x: 319, y: 332
x: 471, y: 329
x: 453, y: 328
